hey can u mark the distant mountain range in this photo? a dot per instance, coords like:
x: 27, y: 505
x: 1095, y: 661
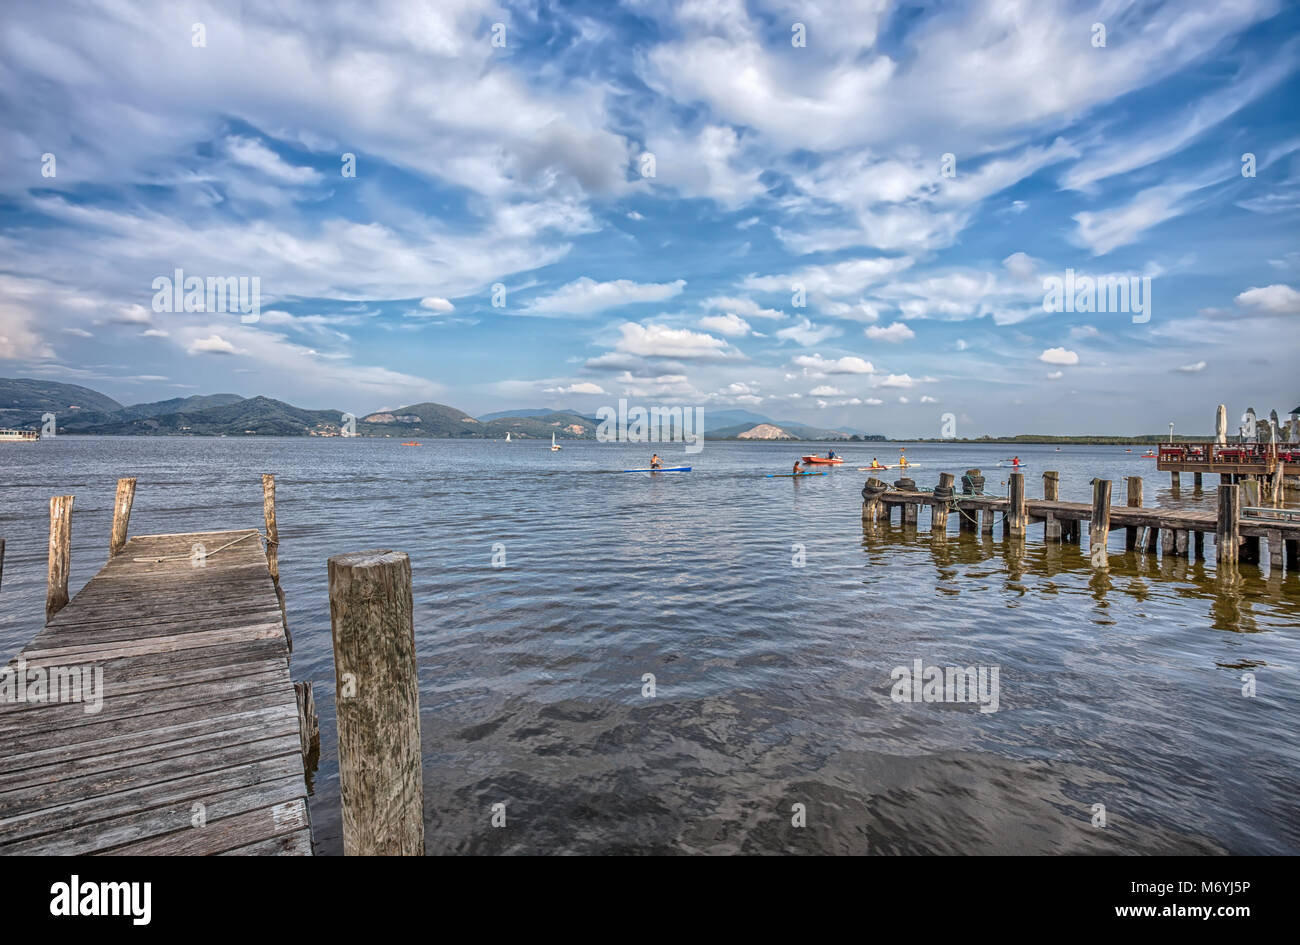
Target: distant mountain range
x: 24, y: 401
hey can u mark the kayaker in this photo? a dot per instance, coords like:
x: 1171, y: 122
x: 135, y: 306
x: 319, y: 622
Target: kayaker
x: 795, y: 471
x: 654, y: 461
x: 875, y: 464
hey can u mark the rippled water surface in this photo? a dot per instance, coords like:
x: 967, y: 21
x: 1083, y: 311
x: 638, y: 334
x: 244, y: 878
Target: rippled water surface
x: 773, y: 680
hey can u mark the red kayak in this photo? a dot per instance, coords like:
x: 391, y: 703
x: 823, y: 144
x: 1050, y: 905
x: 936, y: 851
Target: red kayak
x: 821, y: 460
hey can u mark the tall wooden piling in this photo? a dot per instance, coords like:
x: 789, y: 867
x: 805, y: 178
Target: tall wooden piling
x: 1051, y: 486
x: 1099, y: 527
x: 939, y: 511
x: 1279, y: 486
x: 56, y: 584
x: 1227, y: 535
x: 273, y: 548
x: 378, y: 703
x: 1196, y: 483
x: 1249, y: 492
x: 1013, y: 523
x: 121, y: 514
x: 2, y: 562
x: 1134, y: 502
x: 1174, y: 481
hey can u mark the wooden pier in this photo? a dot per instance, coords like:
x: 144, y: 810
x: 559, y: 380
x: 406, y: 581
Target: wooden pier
x: 1175, y: 532
x: 197, y: 745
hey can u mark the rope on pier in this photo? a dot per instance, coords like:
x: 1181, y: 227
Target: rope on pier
x: 186, y: 557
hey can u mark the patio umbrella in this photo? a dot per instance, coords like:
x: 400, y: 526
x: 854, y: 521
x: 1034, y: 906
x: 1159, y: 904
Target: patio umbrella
x: 1221, y: 426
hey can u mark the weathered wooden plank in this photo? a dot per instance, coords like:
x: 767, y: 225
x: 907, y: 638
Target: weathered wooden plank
x: 197, y: 747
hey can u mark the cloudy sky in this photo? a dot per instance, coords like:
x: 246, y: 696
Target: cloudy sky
x: 836, y: 212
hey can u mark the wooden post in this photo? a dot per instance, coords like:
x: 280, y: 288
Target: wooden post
x: 1250, y: 492
x: 1134, y: 502
x: 121, y: 514
x: 2, y: 562
x: 910, y: 513
x: 1099, y: 528
x: 1174, y: 481
x: 1013, y: 523
x: 1180, y: 543
x: 939, y: 510
x: 1196, y: 482
x: 56, y: 584
x: 273, y: 549
x: 308, y: 724
x: 1153, y: 538
x: 1198, y: 541
x: 1167, y: 543
x: 1227, y: 535
x: 1279, y: 485
x: 378, y: 704
x: 1051, y: 486
x: 1274, y: 550
x: 1051, y: 527
x: 986, y: 521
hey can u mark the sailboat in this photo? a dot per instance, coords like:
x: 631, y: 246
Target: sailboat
x: 554, y: 447
x: 507, y: 436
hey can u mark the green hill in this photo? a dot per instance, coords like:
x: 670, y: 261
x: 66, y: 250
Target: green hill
x: 23, y: 400
x: 426, y: 419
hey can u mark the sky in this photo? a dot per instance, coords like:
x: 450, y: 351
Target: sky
x: 840, y: 213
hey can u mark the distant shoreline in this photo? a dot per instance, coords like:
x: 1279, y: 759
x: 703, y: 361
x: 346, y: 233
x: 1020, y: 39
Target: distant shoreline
x: 1020, y: 439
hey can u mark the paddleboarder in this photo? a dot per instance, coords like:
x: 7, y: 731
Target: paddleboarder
x: 795, y: 471
x: 654, y: 461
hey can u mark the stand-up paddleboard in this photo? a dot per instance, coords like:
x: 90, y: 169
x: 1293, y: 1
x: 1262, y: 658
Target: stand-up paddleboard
x: 820, y: 472
x: 1012, y: 465
x: 662, y: 469
x: 878, y: 468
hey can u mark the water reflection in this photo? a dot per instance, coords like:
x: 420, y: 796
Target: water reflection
x: 1231, y: 594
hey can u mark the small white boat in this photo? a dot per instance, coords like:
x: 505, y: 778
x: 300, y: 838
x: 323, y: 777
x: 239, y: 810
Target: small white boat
x: 554, y: 447
x: 507, y: 436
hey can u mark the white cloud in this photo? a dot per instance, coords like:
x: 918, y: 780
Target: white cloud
x: 826, y: 390
x: 816, y: 364
x: 1193, y: 368
x: 927, y: 399
x: 585, y: 296
x: 731, y: 325
x: 1059, y: 356
x: 252, y: 153
x: 807, y: 334
x: 834, y: 280
x: 1055, y: 375
x: 213, y: 344
x: 659, y: 341
x: 578, y: 387
x: 896, y: 332
x: 742, y: 306
x: 896, y: 380
x: 436, y: 305
x: 1271, y: 300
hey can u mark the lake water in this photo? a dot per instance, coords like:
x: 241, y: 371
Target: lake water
x: 773, y: 681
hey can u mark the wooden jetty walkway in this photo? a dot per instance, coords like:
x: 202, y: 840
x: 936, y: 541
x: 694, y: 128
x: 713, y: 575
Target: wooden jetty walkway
x: 198, y: 743
x: 1177, y: 532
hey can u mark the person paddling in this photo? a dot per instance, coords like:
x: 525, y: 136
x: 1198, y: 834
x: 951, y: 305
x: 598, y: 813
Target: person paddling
x: 875, y: 463
x: 654, y: 461
x: 795, y: 471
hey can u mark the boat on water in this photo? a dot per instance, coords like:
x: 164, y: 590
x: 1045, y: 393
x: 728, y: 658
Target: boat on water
x: 554, y: 445
x: 659, y: 469
x: 1149, y: 454
x: 821, y: 461
x: 507, y: 436
x: 19, y: 436
x: 410, y: 443
x: 819, y: 472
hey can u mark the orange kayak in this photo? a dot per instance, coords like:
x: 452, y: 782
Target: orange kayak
x: 821, y: 460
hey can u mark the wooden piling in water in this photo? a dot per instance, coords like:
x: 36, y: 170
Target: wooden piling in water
x: 939, y: 511
x: 273, y: 548
x: 1014, y: 521
x: 986, y: 521
x: 1099, y: 527
x: 378, y: 703
x: 1279, y: 486
x: 1134, y: 502
x: 121, y: 514
x: 60, y: 565
x: 308, y: 723
x: 2, y: 562
x: 1174, y: 481
x: 1051, y: 486
x: 1227, y: 535
x: 1196, y: 482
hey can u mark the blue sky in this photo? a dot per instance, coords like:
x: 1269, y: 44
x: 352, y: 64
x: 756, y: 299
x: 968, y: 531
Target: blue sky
x: 776, y: 166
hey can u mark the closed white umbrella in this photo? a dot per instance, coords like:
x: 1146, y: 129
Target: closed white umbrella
x: 1221, y: 426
